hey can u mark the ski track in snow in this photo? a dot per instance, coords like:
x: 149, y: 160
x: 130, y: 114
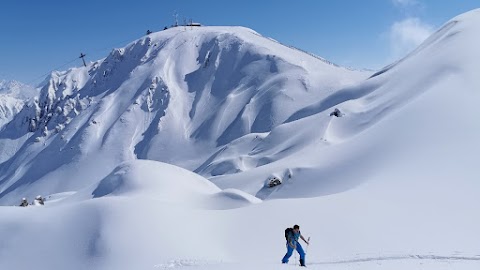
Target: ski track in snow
x: 178, y: 264
x: 403, y: 257
x: 175, y: 264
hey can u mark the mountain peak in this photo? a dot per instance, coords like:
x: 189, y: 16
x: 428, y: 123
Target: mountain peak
x: 199, y: 89
x: 224, y: 102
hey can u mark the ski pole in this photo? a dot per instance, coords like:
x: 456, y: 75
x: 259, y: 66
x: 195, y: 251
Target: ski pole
x: 308, y: 240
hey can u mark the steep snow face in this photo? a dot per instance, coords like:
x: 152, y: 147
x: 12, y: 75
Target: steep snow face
x: 178, y: 96
x: 9, y: 106
x: 14, y: 96
x: 415, y: 122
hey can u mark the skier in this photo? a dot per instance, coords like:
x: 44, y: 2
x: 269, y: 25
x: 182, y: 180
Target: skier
x: 292, y: 235
x: 39, y: 200
x: 24, y: 202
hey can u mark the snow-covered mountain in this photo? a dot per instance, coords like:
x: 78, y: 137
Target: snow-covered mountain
x: 17, y: 89
x: 13, y: 96
x: 391, y: 183
x: 179, y: 96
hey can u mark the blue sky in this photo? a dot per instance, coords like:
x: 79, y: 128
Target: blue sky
x: 39, y: 36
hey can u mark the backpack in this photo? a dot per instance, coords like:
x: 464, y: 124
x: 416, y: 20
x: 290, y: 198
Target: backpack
x: 288, y: 233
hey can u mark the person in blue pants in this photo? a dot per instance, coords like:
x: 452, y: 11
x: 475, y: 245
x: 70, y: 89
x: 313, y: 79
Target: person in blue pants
x: 292, y: 235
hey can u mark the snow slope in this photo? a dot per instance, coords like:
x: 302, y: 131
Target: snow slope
x: 392, y: 184
x: 168, y: 221
x: 404, y: 123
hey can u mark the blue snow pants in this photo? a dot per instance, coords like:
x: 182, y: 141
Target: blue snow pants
x: 290, y: 251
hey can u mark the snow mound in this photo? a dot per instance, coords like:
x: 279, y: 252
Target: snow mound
x: 230, y: 198
x: 165, y: 181
x: 167, y: 184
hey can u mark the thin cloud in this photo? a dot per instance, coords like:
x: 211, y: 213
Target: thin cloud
x: 410, y: 8
x: 405, y: 3
x: 407, y: 34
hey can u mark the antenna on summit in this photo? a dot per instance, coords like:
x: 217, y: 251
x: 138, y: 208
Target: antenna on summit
x: 82, y: 55
x: 175, y: 18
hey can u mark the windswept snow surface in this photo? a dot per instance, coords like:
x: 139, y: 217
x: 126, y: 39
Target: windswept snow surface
x: 392, y: 184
